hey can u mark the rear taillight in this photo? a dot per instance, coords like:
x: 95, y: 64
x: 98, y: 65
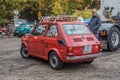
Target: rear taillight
x: 100, y: 47
x: 70, y: 51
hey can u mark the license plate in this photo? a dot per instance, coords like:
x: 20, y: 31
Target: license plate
x: 87, y: 49
x: 3, y: 33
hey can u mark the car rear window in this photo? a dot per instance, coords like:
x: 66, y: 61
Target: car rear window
x: 72, y: 29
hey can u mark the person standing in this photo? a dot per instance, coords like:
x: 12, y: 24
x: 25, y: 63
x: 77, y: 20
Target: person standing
x: 95, y: 23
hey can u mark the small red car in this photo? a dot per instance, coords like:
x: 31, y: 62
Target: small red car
x: 61, y: 41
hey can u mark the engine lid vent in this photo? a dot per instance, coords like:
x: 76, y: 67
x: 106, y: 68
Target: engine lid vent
x: 77, y: 39
x: 89, y: 38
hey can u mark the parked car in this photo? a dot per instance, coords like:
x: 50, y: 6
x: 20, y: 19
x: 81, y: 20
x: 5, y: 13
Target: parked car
x: 61, y: 41
x: 23, y: 29
x: 19, y: 22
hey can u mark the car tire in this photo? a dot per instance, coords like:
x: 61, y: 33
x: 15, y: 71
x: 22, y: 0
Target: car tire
x: 55, y: 61
x: 24, y: 52
x: 88, y: 62
x: 114, y: 39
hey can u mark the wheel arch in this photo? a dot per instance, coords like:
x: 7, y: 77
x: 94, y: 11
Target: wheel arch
x: 117, y: 26
x: 108, y: 26
x: 24, y: 45
x: 56, y: 51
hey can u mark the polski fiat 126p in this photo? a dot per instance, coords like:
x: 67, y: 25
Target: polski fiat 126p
x: 60, y: 42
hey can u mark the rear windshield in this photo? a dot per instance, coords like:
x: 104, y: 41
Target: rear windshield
x: 72, y: 29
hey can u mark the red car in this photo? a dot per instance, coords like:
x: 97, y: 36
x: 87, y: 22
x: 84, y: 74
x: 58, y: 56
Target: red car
x: 60, y: 42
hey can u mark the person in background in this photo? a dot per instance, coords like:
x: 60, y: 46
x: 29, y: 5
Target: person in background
x: 95, y: 23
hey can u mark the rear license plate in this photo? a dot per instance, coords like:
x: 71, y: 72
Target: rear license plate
x: 87, y: 49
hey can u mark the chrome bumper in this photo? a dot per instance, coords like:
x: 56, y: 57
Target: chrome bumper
x: 81, y: 57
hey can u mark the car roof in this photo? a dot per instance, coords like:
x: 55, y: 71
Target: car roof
x: 62, y: 22
x: 70, y: 23
x: 61, y: 19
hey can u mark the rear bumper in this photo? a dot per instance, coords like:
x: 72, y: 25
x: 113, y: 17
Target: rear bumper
x: 81, y: 57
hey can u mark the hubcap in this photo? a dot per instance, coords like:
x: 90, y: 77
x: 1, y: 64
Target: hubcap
x: 53, y: 61
x: 115, y: 39
x: 24, y: 52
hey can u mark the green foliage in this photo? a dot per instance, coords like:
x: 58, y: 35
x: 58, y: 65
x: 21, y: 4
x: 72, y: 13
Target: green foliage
x: 28, y: 9
x: 57, y: 9
x: 4, y: 21
x: 85, y: 13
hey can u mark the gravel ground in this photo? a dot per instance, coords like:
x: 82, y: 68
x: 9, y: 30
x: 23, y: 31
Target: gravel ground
x: 14, y: 67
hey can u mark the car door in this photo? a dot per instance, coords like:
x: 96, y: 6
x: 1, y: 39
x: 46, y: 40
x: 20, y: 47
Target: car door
x: 51, y: 38
x: 36, y: 41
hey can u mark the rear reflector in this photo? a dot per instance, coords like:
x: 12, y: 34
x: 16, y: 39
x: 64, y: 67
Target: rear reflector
x: 100, y: 47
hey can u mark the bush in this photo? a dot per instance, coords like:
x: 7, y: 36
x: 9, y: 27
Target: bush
x: 85, y: 14
x: 4, y: 21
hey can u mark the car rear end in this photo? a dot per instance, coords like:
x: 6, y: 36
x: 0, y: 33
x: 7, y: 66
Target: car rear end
x: 84, y: 47
x: 81, y: 44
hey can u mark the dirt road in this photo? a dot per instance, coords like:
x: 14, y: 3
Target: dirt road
x: 14, y: 67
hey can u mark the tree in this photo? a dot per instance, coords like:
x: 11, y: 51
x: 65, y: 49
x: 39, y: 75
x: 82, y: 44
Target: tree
x: 28, y: 9
x: 57, y: 9
x: 6, y: 11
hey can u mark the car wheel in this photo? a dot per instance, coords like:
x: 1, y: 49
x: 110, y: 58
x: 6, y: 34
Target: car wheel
x: 114, y: 39
x: 54, y: 61
x: 24, y: 52
x: 88, y: 62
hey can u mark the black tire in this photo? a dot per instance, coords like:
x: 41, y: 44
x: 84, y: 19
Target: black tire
x: 55, y: 61
x: 114, y: 39
x: 24, y: 52
x: 88, y: 62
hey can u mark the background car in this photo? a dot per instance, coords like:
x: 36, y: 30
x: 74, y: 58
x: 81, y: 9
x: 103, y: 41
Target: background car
x: 19, y: 22
x: 23, y: 29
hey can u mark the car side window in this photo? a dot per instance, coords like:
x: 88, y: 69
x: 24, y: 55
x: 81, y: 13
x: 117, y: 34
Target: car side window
x: 52, y: 31
x: 40, y: 31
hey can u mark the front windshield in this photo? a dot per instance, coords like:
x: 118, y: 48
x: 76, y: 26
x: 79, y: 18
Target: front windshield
x: 72, y: 29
